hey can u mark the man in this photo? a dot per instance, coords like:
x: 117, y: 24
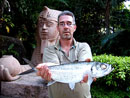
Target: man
x: 66, y: 50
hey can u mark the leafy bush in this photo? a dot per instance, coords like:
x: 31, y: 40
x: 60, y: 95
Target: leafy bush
x: 120, y: 77
x: 98, y: 91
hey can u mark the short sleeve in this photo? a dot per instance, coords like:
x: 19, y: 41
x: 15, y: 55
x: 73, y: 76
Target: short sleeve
x: 49, y: 55
x: 84, y: 52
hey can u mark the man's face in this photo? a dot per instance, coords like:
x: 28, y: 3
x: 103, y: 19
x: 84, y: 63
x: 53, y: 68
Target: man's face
x: 66, y: 27
x: 47, y: 28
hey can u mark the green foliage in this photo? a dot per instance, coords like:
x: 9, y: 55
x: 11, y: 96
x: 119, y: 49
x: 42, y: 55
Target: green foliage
x: 120, y: 77
x: 99, y: 91
x: 10, y: 50
x: 6, y: 24
x: 120, y: 19
x: 90, y: 19
x: 24, y: 15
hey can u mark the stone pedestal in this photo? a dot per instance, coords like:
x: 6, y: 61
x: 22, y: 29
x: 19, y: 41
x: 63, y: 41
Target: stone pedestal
x: 28, y: 86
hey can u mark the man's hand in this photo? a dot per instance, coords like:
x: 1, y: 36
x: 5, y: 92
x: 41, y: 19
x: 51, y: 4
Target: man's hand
x: 44, y: 71
x: 85, y: 79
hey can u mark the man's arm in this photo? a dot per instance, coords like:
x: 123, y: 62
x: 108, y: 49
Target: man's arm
x: 84, y: 52
x: 50, y: 55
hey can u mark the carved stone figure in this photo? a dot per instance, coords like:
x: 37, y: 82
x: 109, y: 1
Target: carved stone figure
x: 10, y: 67
x: 46, y: 35
x: 46, y: 32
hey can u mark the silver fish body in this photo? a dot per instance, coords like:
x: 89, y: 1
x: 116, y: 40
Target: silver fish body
x: 74, y: 72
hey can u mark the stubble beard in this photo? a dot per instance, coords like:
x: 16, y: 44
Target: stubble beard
x: 66, y: 36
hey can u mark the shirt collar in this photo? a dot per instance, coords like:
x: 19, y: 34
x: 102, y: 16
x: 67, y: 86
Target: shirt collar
x: 58, y: 46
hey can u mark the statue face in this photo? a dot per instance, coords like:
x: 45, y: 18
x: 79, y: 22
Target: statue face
x: 47, y: 28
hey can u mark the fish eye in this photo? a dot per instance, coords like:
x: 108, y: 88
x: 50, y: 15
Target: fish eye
x: 103, y: 66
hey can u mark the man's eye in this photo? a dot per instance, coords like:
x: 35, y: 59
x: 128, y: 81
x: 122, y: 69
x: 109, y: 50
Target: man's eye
x: 69, y: 24
x: 62, y: 24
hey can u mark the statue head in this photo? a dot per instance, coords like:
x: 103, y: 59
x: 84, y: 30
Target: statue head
x: 47, y: 33
x: 47, y: 24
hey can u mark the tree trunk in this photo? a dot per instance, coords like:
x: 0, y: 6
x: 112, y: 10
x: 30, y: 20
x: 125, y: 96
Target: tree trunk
x: 107, y: 14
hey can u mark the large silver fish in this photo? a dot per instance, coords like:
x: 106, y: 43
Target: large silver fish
x: 72, y: 73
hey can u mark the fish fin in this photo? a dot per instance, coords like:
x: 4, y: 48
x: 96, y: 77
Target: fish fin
x: 51, y: 82
x: 71, y: 85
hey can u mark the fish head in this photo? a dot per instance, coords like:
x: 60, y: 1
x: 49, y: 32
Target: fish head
x: 101, y: 69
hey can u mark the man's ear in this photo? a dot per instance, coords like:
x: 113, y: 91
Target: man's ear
x: 75, y: 28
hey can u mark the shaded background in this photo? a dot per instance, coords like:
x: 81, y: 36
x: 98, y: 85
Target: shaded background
x: 103, y: 24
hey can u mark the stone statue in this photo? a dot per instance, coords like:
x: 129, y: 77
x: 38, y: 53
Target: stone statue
x: 46, y: 35
x: 46, y: 32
